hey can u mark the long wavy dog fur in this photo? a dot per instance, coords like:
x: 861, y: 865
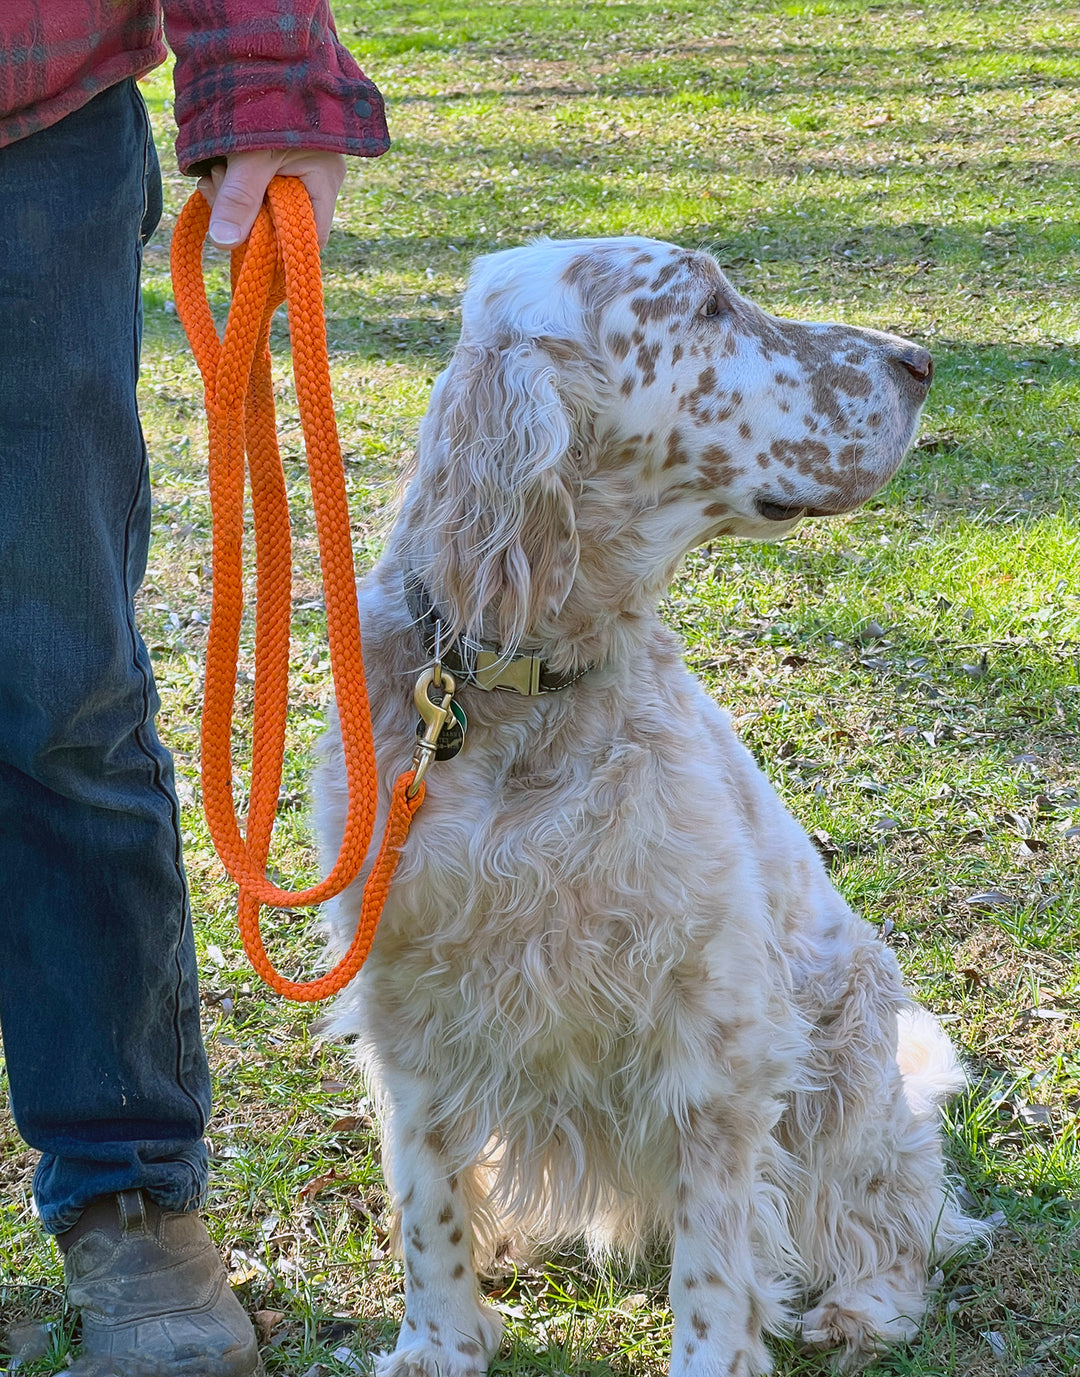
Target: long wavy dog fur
x: 614, y: 993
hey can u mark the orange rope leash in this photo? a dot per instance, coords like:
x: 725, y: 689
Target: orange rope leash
x: 279, y: 263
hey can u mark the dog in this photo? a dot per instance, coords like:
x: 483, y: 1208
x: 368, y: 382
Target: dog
x: 613, y: 994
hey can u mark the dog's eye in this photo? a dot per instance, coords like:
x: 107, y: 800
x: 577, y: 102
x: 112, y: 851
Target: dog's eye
x: 712, y: 306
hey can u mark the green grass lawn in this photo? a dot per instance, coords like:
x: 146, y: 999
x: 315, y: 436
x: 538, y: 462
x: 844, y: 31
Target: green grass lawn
x: 909, y: 676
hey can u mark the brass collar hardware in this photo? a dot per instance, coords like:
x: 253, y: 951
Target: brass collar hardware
x: 481, y: 662
x: 433, y: 717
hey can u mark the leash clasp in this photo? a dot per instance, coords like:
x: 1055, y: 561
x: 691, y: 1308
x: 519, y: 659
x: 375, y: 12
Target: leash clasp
x: 433, y: 719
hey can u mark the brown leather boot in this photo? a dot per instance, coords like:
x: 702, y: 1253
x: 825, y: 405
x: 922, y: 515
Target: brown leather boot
x: 154, y: 1296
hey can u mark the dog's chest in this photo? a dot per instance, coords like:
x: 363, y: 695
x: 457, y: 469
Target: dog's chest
x: 564, y: 925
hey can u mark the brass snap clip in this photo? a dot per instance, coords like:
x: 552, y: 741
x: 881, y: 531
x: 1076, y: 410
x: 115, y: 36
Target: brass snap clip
x: 433, y: 717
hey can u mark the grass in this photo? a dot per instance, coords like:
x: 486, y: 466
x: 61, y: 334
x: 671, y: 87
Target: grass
x: 908, y: 676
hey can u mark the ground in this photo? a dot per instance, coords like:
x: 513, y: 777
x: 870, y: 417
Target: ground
x: 908, y: 676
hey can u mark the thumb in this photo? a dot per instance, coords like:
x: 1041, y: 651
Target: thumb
x: 238, y: 198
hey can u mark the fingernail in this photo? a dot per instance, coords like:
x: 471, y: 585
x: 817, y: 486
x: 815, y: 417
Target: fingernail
x: 225, y: 235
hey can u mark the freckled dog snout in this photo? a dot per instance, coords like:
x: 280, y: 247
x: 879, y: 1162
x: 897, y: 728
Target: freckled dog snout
x: 916, y: 363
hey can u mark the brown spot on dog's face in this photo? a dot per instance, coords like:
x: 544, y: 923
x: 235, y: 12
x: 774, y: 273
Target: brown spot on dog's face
x: 808, y: 456
x: 706, y: 382
x: 647, y: 355
x: 852, y: 381
x: 649, y: 309
x: 663, y: 277
x: 456, y: 1237
x: 446, y: 1214
x: 700, y: 1326
x: 744, y: 430
x: 676, y: 451
x: 619, y: 345
x: 470, y: 1348
x: 717, y: 465
x: 578, y: 269
x: 458, y: 1272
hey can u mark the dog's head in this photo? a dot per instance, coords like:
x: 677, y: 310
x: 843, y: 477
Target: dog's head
x: 614, y: 402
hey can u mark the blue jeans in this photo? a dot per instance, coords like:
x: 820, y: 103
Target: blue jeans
x: 98, y: 993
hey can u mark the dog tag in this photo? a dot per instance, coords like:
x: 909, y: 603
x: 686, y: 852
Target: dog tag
x: 452, y: 737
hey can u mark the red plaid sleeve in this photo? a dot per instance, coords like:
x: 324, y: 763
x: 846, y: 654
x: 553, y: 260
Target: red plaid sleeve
x: 56, y: 56
x: 267, y: 74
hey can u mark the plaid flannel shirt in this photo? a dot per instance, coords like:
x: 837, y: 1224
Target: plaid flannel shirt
x: 249, y: 73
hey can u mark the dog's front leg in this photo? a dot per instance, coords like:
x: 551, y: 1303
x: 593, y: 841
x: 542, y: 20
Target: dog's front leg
x: 447, y: 1331
x: 727, y: 1236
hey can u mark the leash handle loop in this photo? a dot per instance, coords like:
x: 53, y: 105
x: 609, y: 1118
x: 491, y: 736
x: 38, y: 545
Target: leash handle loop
x: 279, y: 263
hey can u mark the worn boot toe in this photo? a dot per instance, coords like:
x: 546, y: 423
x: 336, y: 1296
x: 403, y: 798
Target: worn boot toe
x: 154, y: 1296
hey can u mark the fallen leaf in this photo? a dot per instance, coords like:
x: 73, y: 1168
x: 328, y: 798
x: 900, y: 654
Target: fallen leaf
x: 28, y: 1342
x: 997, y: 1343
x: 1019, y: 823
x: 334, y: 1330
x: 317, y: 1183
x: 266, y: 1321
x: 993, y: 898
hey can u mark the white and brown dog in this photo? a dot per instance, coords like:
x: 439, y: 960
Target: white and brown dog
x: 614, y: 994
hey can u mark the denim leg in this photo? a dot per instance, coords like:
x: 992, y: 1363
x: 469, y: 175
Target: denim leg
x: 98, y: 993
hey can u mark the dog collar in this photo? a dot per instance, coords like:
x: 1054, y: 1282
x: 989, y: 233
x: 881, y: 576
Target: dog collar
x: 483, y: 663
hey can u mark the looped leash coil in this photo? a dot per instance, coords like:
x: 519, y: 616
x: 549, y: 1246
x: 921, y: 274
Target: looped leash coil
x: 279, y: 263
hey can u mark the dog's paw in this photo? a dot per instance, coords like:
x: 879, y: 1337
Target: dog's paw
x: 431, y: 1360
x: 859, y: 1325
x: 428, y: 1349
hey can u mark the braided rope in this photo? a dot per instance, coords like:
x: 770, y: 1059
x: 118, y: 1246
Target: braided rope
x: 280, y: 262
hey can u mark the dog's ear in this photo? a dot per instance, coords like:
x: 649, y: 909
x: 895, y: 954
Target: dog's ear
x: 495, y: 514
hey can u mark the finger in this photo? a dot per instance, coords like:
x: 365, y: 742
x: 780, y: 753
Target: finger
x: 210, y: 181
x: 238, y: 198
x: 323, y: 185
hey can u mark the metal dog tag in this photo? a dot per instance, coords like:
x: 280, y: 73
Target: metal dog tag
x: 452, y: 737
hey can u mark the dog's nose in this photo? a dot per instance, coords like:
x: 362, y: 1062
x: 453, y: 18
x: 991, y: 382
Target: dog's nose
x: 916, y: 363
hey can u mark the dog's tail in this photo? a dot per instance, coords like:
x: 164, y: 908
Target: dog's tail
x: 932, y: 1074
x: 928, y: 1062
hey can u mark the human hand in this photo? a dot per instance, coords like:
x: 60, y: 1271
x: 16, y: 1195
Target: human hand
x: 235, y: 189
